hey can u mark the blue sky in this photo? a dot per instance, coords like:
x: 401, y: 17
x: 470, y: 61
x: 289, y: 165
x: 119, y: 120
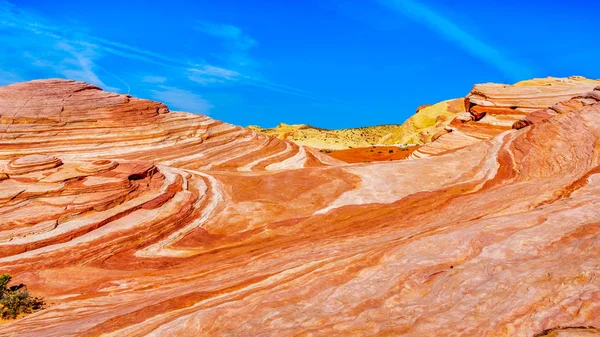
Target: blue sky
x: 330, y: 63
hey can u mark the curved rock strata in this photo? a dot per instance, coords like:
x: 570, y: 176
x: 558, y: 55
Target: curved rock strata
x: 205, y: 229
x: 31, y: 163
x: 76, y: 120
x: 494, y: 108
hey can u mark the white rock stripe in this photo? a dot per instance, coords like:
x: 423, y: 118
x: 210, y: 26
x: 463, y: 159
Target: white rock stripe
x: 160, y: 249
x: 296, y: 161
x: 248, y: 167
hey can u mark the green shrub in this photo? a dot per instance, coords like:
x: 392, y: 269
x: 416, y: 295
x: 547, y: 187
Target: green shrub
x: 16, y: 300
x: 4, y: 279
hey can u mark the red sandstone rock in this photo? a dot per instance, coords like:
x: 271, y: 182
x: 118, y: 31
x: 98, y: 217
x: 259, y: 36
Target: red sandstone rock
x: 421, y: 107
x: 76, y: 120
x: 496, y: 108
x: 439, y: 134
x: 521, y: 124
x: 171, y: 224
x: 31, y: 163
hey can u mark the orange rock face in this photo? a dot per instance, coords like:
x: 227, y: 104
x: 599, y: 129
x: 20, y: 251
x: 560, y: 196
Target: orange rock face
x: 132, y: 220
x: 76, y: 120
x: 494, y: 108
x: 372, y: 153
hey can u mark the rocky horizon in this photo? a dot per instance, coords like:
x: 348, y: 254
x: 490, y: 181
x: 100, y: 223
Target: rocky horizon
x: 133, y: 220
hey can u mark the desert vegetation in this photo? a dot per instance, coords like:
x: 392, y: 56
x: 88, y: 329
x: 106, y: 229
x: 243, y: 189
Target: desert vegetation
x: 16, y: 300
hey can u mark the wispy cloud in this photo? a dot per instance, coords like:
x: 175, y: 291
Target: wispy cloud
x: 208, y: 74
x: 80, y: 66
x: 236, y: 43
x: 179, y: 99
x: 453, y: 32
x: 37, y: 47
x: 230, y: 34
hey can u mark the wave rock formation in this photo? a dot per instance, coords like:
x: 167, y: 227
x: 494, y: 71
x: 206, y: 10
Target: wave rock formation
x: 132, y: 220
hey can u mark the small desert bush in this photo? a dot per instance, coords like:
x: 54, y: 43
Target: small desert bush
x: 15, y: 300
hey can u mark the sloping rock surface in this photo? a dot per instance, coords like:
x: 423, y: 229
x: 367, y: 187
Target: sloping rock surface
x: 318, y: 138
x: 76, y: 120
x: 135, y: 221
x: 419, y: 129
x: 491, y: 109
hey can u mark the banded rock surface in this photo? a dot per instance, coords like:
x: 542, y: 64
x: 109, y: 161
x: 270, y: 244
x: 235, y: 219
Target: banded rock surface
x: 498, y: 238
x: 77, y: 120
x: 491, y: 109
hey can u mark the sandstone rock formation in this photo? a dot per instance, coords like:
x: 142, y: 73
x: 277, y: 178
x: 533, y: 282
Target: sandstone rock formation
x: 372, y: 153
x: 494, y: 108
x: 418, y: 129
x: 132, y: 220
x: 75, y: 120
x: 318, y: 138
x: 426, y: 123
x: 486, y: 111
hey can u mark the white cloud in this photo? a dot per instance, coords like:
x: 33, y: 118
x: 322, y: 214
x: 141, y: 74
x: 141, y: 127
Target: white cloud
x: 452, y: 32
x: 230, y: 34
x: 210, y: 75
x: 235, y: 42
x: 219, y: 72
x: 34, y: 46
x: 80, y: 66
x: 179, y: 99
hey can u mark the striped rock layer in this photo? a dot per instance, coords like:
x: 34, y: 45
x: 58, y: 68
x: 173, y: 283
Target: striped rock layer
x: 77, y: 120
x: 491, y: 109
x: 135, y: 221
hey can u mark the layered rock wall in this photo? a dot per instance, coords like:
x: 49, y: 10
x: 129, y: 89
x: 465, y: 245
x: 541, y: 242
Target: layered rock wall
x: 179, y: 225
x: 491, y: 109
